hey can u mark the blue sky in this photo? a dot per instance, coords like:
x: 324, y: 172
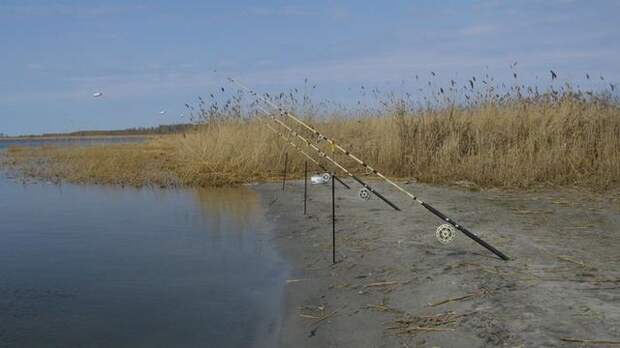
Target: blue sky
x: 146, y: 56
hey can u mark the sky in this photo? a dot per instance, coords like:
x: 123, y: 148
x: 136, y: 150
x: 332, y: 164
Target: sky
x: 148, y: 56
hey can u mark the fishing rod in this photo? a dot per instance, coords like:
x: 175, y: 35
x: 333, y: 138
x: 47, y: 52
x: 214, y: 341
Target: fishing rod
x: 324, y: 155
x: 323, y: 168
x: 427, y: 206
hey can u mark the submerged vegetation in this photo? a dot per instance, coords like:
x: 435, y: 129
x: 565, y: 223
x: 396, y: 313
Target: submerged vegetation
x: 481, y: 132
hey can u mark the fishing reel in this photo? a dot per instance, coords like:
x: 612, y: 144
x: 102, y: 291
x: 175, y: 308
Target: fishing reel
x: 445, y: 233
x: 364, y: 194
x: 326, y: 177
x: 320, y: 179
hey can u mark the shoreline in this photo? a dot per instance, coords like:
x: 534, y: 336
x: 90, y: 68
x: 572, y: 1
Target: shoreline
x: 74, y: 137
x: 395, y: 285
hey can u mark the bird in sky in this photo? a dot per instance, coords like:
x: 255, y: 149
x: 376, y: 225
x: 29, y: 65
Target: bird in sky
x: 553, y: 75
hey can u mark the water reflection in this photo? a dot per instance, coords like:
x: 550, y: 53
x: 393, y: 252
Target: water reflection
x: 221, y: 205
x: 105, y: 266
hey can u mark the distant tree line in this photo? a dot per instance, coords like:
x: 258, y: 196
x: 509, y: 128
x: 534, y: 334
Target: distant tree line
x: 161, y: 129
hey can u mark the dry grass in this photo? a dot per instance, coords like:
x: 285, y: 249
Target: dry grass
x: 516, y: 143
x: 130, y: 164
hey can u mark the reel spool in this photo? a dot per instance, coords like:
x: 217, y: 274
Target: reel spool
x: 364, y: 194
x: 326, y: 177
x: 445, y: 233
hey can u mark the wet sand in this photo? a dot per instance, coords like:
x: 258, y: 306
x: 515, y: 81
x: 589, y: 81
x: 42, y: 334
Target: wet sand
x: 395, y: 285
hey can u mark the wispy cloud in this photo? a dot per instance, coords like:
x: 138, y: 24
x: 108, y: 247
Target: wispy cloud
x: 328, y: 11
x: 286, y: 11
x: 73, y: 10
x: 405, y: 64
x: 478, y: 30
x: 394, y: 66
x: 34, y: 66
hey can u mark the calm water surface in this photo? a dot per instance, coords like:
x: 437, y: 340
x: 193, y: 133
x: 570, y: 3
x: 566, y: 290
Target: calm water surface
x: 4, y: 143
x: 101, y: 266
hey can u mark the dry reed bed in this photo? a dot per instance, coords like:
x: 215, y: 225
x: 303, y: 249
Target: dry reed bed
x: 516, y: 144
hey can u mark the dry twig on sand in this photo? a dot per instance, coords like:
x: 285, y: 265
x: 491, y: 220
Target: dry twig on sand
x: 431, y: 323
x: 381, y: 284
x: 461, y: 298
x: 383, y: 307
x: 324, y: 317
x: 308, y: 316
x: 602, y: 288
x: 567, y: 259
x: 418, y: 328
x: 577, y: 340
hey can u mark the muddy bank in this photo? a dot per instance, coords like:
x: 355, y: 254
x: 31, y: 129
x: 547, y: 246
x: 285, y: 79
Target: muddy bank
x: 395, y: 285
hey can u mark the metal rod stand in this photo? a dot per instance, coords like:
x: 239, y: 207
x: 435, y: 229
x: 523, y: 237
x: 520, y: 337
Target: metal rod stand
x: 285, y: 166
x: 305, y: 185
x: 333, y: 220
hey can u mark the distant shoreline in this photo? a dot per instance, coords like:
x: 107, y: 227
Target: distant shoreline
x: 72, y: 137
x: 162, y: 129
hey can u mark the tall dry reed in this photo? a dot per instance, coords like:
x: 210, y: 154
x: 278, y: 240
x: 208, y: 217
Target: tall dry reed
x: 565, y: 142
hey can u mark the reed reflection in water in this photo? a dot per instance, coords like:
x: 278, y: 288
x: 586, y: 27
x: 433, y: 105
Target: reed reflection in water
x: 89, y: 266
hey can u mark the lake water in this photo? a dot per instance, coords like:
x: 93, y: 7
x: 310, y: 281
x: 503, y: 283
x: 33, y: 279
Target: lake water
x: 103, y: 266
x: 4, y: 143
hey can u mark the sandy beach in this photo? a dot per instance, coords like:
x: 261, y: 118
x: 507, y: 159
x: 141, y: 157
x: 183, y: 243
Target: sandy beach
x: 395, y: 285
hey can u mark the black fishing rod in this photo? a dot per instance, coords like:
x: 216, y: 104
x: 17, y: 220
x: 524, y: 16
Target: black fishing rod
x: 305, y: 154
x: 427, y: 206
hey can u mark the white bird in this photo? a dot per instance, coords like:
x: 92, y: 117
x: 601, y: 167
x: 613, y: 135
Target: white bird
x: 97, y: 94
x: 163, y: 112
